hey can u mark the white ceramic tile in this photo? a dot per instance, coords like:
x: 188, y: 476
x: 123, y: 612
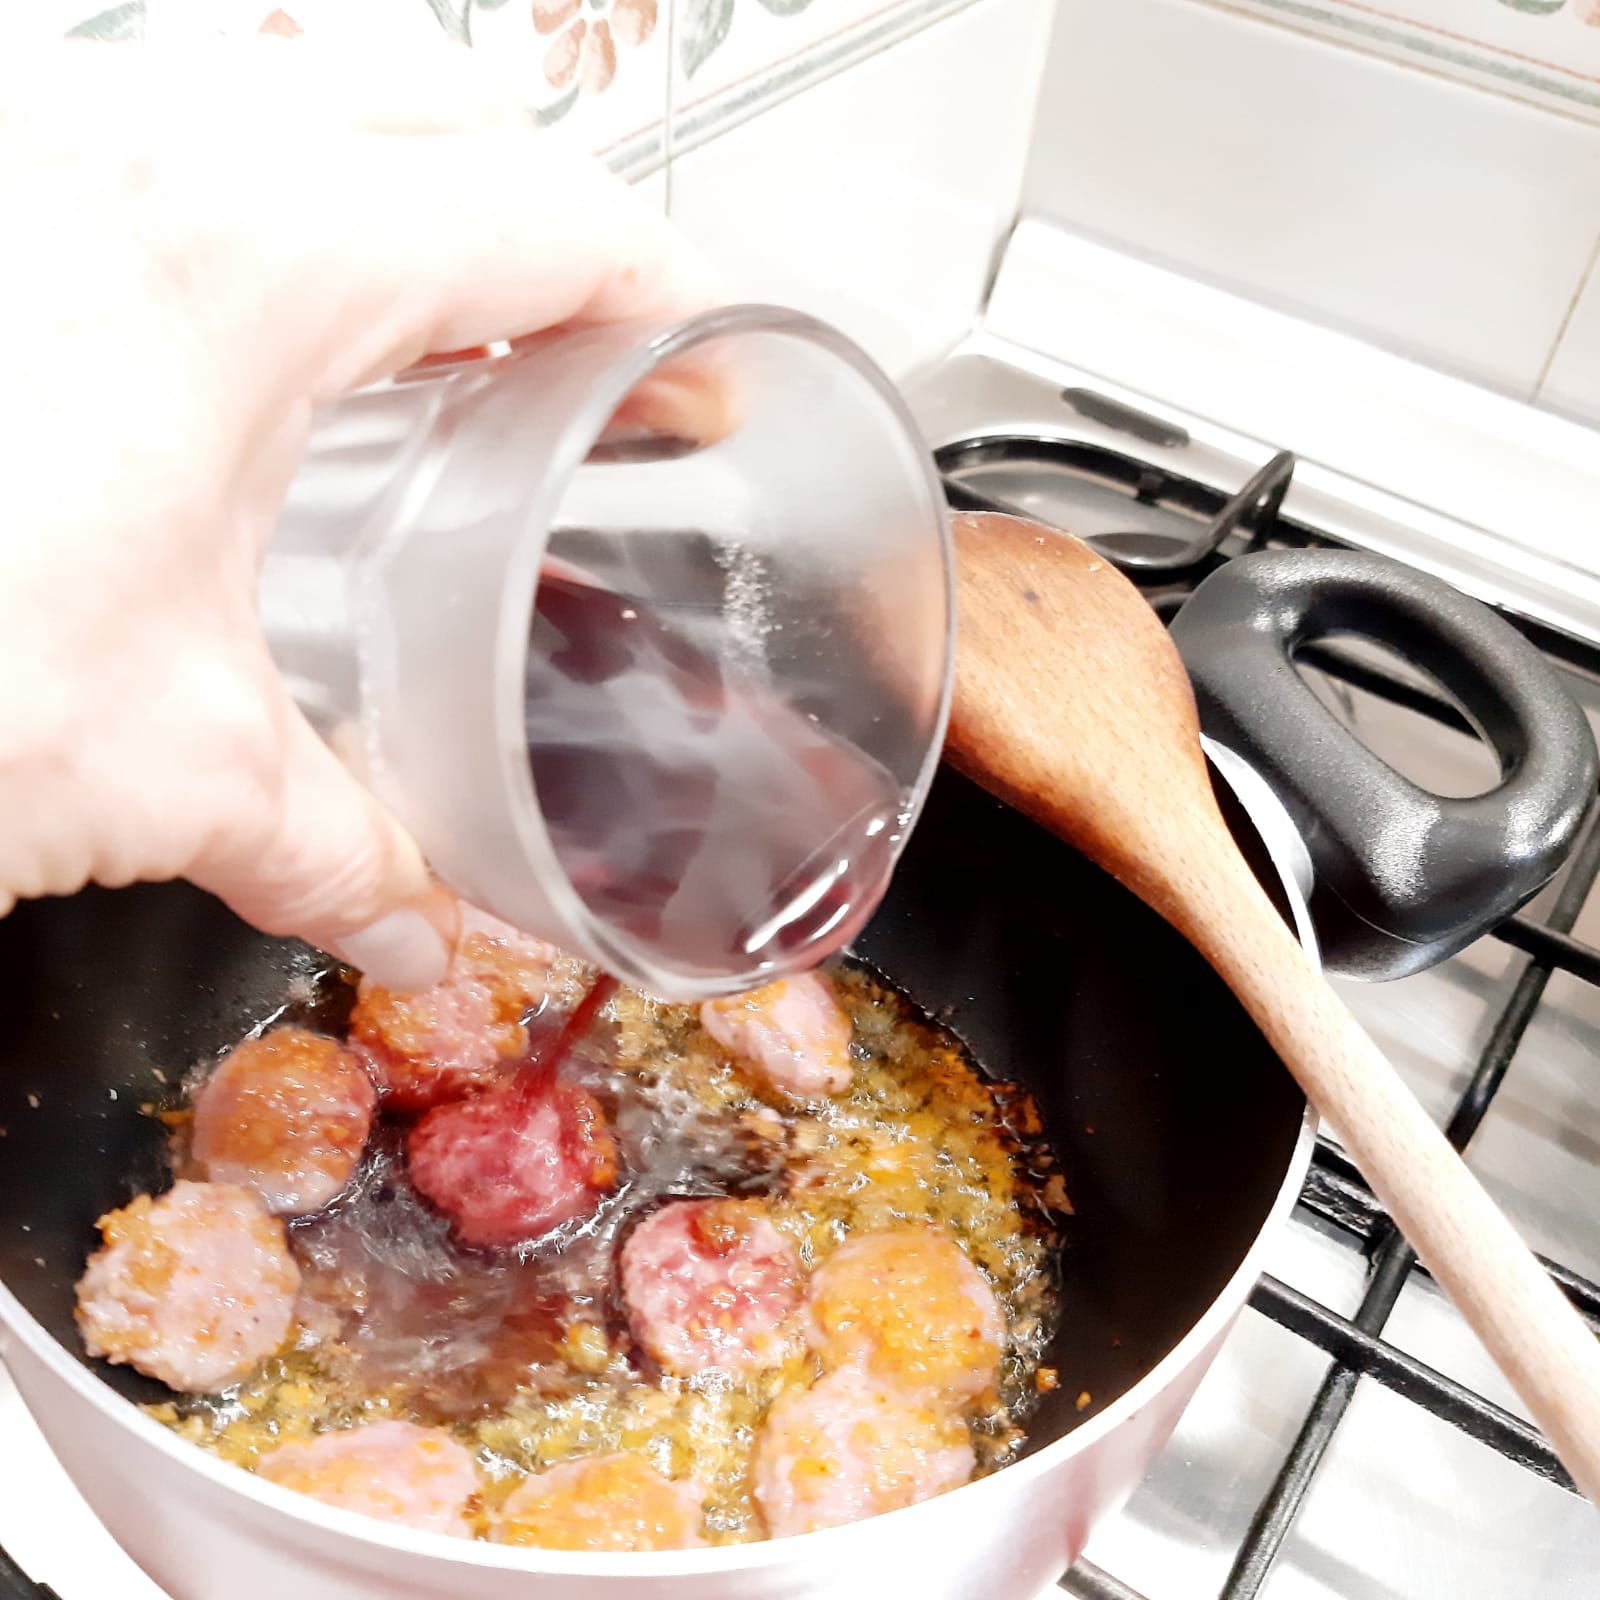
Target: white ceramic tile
x: 1572, y: 384
x: 1547, y: 51
x: 51, y: 19
x: 1449, y: 224
x: 717, y: 43
x: 876, y: 199
x: 130, y: 20
x: 652, y: 189
x: 168, y: 22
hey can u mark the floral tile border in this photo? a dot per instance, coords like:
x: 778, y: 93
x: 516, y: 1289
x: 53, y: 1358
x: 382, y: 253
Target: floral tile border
x: 698, y: 117
x: 594, y: 72
x: 614, y: 77
x: 1544, y: 51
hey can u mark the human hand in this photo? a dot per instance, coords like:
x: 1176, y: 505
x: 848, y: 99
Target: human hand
x: 201, y: 248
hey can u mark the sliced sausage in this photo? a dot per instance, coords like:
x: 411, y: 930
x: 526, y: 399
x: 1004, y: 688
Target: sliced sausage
x: 793, y: 1034
x: 507, y: 1166
x: 286, y: 1115
x: 712, y: 1283
x: 427, y: 1048
x: 394, y: 1471
x: 908, y: 1306
x: 617, y: 1502
x: 846, y: 1448
x: 192, y: 1289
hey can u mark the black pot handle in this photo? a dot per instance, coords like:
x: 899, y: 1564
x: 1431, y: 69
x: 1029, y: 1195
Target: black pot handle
x: 1404, y: 877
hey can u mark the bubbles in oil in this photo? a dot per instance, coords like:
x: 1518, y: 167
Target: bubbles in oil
x: 527, y: 1356
x: 452, y: 1332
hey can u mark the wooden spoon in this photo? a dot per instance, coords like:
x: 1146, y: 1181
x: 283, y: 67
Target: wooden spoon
x: 1072, y: 705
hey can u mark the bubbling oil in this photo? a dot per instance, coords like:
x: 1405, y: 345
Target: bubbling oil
x: 526, y: 1355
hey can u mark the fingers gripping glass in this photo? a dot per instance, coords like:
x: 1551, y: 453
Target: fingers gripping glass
x: 644, y: 632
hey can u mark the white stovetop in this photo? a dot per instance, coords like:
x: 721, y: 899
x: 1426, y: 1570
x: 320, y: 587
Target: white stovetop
x: 1499, y: 486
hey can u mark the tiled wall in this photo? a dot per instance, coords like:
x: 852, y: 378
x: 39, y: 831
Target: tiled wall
x: 1543, y: 51
x: 1424, y: 173
x: 860, y: 158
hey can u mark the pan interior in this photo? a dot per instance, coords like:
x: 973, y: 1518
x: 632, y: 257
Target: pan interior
x: 1173, y: 1121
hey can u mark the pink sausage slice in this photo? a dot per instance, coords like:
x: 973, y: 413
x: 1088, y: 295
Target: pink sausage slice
x: 793, y: 1034
x: 712, y: 1283
x: 192, y: 1289
x: 394, y: 1471
x: 506, y: 1167
x: 846, y: 1448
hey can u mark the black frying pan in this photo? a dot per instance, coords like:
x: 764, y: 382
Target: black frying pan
x: 1173, y: 1120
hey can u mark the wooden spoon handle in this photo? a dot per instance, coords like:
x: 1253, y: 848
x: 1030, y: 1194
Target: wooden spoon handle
x: 1530, y: 1329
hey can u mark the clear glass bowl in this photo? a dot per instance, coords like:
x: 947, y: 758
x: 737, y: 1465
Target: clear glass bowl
x: 644, y: 632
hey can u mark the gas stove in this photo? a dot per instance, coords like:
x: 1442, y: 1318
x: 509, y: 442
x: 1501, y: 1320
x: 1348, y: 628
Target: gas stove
x: 1352, y: 1441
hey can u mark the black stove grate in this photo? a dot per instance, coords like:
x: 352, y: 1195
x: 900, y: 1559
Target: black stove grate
x: 15, y: 1584
x: 1335, y: 1195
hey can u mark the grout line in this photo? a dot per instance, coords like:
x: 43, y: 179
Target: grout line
x: 669, y: 139
x: 856, y: 28
x: 699, y: 122
x: 1589, y: 275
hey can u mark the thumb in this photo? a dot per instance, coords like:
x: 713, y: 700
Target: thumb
x: 328, y: 864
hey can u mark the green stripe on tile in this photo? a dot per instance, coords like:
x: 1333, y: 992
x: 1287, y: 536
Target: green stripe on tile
x: 638, y: 155
x: 1399, y: 42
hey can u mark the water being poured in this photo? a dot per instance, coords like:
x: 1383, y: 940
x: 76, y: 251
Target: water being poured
x: 397, y: 1304
x: 693, y: 809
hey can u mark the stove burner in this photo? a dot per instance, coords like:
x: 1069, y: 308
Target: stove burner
x: 1109, y: 476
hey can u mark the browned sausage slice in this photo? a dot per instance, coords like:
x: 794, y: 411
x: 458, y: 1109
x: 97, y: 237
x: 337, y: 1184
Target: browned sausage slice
x: 287, y: 1115
x: 909, y: 1307
x: 616, y: 1502
x: 793, y: 1034
x: 427, y: 1048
